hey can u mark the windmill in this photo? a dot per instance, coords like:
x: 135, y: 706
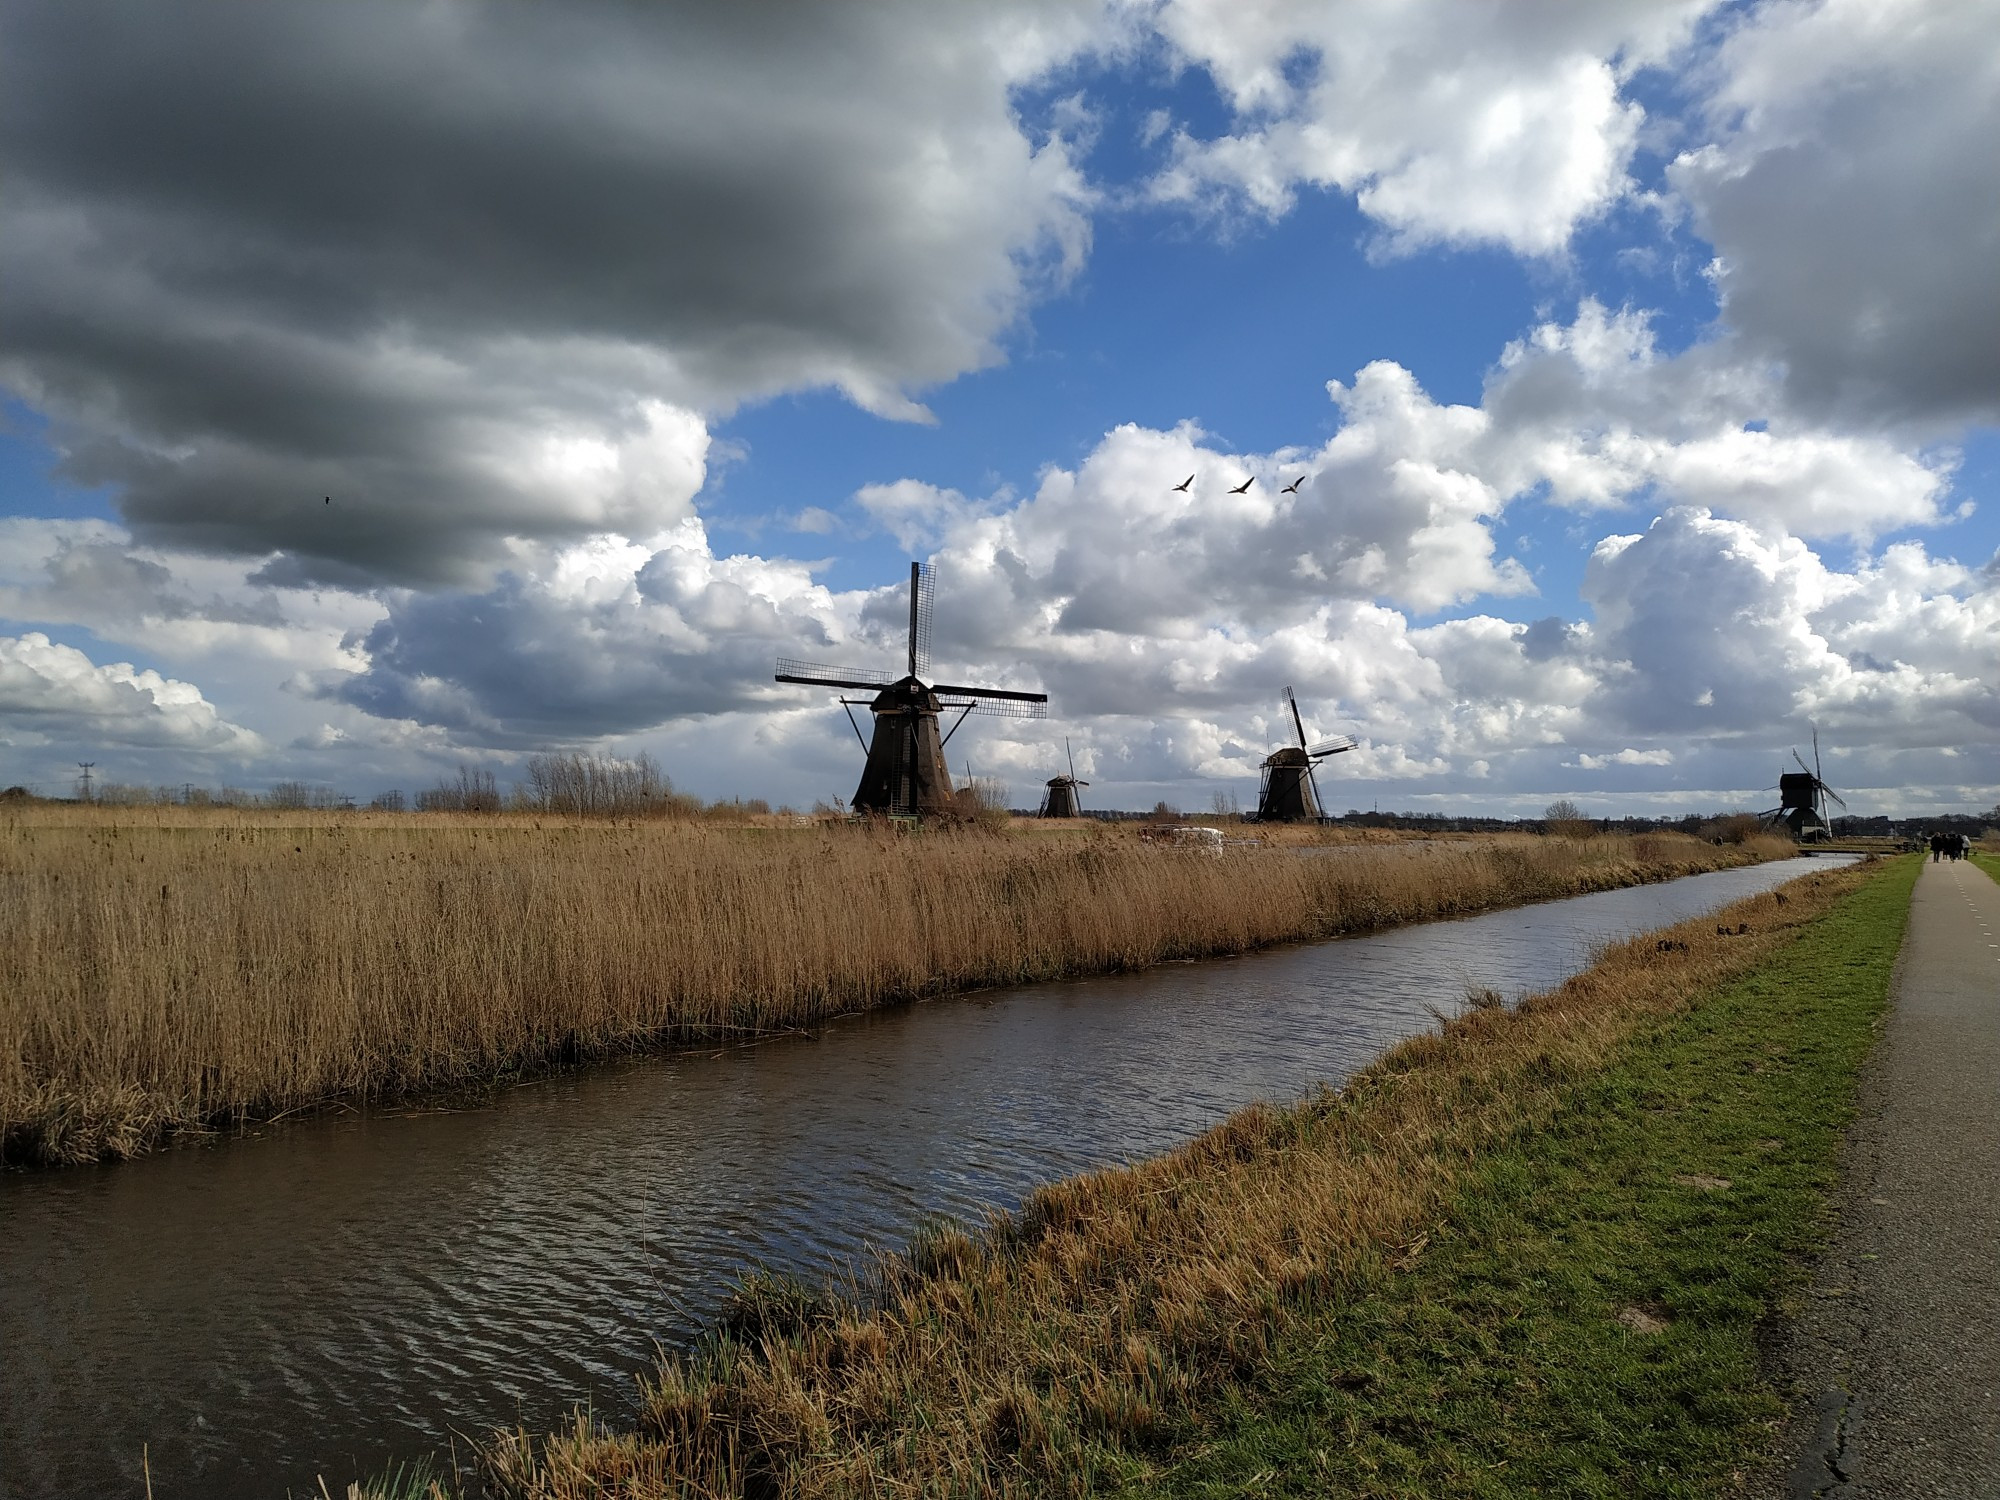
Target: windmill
x: 1060, y: 800
x: 905, y: 775
x: 1802, y: 799
x: 1288, y: 792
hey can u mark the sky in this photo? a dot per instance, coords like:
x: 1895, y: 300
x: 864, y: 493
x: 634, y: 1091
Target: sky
x: 389, y: 388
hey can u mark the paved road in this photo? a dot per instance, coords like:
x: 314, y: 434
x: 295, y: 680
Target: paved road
x: 1896, y: 1360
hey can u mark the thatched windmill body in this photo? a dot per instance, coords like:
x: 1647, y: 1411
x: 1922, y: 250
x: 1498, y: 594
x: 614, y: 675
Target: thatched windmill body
x: 905, y: 774
x: 1802, y: 799
x: 1287, y: 792
x: 1059, y: 799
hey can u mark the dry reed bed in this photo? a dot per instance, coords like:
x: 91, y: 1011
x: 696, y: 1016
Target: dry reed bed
x: 159, y: 974
x: 1021, y: 1359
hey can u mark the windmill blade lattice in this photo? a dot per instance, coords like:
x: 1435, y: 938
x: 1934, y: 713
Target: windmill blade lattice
x: 824, y: 674
x: 921, y: 593
x: 1829, y: 791
x: 993, y: 705
x: 1297, y: 722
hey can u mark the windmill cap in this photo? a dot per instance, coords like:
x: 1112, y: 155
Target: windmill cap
x: 904, y: 693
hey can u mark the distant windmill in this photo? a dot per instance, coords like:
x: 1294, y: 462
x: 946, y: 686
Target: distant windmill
x: 1802, y: 799
x: 906, y: 775
x: 1288, y: 793
x: 1060, y: 800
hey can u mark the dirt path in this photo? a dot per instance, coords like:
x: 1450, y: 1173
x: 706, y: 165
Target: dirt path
x: 1895, y: 1362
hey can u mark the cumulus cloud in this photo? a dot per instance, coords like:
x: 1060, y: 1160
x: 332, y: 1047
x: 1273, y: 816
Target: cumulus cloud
x: 478, y: 273
x: 51, y: 693
x: 914, y: 513
x: 1449, y: 120
x: 599, y: 638
x: 1106, y: 581
x: 1707, y: 627
x: 1168, y: 620
x: 1596, y: 413
x: 93, y: 574
x: 397, y: 332
x: 1626, y: 757
x: 1852, y: 192
x: 1710, y: 642
x: 1388, y: 508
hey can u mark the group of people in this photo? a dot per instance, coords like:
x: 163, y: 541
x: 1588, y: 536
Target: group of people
x: 1949, y: 846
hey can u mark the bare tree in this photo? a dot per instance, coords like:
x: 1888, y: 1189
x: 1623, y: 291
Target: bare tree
x: 1564, y: 819
x: 473, y: 791
x: 601, y: 786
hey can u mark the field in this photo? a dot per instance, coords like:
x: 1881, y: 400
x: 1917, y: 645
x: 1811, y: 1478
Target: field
x: 167, y: 971
x: 1528, y: 1254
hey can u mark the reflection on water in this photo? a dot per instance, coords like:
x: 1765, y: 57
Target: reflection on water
x: 352, y: 1289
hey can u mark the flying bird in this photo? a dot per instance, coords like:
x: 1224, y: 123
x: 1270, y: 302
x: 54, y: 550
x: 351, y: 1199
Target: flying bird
x: 1293, y: 487
x: 1244, y: 485
x: 1182, y: 486
x: 329, y: 499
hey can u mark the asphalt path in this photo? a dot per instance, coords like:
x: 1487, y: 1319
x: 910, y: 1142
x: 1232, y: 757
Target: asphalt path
x: 1894, y: 1363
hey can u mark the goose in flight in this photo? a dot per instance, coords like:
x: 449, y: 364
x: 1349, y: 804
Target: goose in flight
x: 1181, y: 488
x: 1244, y: 485
x: 1293, y: 487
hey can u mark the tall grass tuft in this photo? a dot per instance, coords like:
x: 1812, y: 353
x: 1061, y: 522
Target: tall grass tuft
x: 178, y: 969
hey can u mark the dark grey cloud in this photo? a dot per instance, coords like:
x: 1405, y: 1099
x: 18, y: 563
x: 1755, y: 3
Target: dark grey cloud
x: 1549, y: 638
x: 107, y: 578
x: 1853, y: 196
x: 253, y: 256
x: 606, y: 641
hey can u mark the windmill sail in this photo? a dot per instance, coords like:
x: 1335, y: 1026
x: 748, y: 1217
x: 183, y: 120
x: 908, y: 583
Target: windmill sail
x: 820, y: 674
x: 920, y: 619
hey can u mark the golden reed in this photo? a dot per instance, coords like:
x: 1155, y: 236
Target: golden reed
x: 165, y: 970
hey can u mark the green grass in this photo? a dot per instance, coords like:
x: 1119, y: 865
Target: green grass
x: 1496, y: 1363
x: 1990, y: 863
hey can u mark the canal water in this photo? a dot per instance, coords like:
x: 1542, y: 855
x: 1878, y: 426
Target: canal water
x: 343, y: 1292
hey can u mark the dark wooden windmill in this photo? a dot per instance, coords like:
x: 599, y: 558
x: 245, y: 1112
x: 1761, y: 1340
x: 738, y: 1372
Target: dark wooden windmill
x: 905, y: 775
x: 1059, y: 800
x: 1288, y: 793
x: 1802, y: 799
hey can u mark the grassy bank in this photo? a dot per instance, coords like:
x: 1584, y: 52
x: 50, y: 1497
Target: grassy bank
x: 1524, y: 1255
x: 163, y: 973
x: 1584, y: 1319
